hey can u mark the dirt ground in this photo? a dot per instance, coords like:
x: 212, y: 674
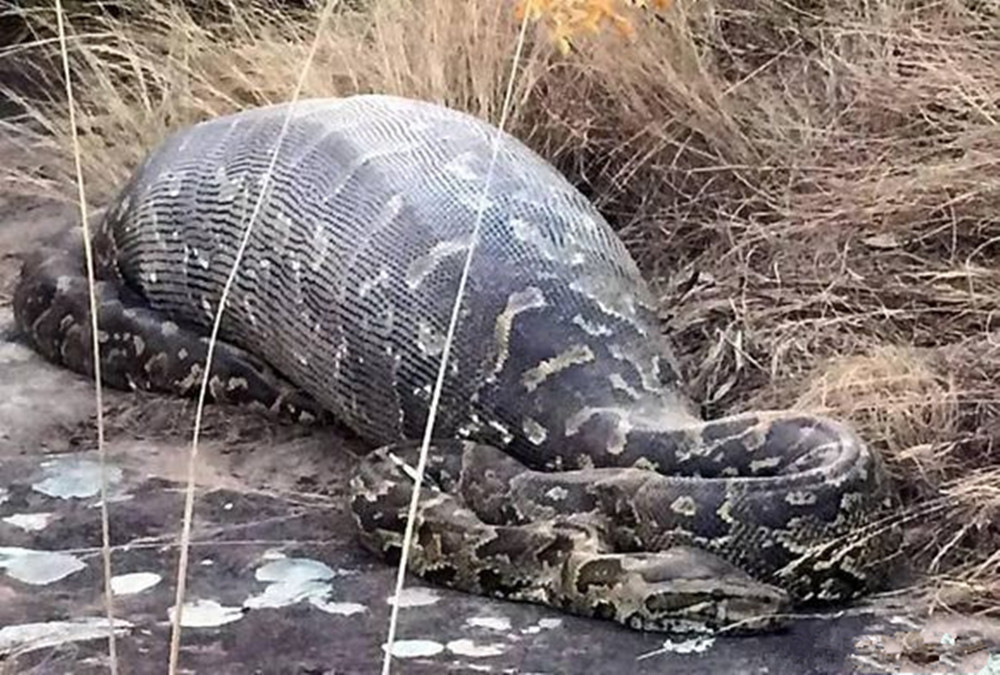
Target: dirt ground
x: 278, y: 583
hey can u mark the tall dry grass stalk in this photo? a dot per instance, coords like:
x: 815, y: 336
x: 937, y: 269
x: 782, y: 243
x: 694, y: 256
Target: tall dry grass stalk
x: 813, y: 188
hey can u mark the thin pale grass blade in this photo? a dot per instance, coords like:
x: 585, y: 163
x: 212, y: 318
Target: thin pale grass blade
x: 95, y: 349
x: 445, y: 353
x: 182, y: 568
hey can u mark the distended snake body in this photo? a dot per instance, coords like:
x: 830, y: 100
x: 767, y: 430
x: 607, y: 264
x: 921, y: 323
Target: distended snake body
x: 568, y: 469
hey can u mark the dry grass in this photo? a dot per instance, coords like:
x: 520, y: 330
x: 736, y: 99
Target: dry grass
x: 812, y: 186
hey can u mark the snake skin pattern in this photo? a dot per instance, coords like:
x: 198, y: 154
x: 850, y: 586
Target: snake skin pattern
x: 569, y: 469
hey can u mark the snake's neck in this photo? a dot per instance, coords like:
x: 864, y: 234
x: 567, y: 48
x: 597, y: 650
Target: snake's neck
x: 650, y: 432
x: 573, y: 403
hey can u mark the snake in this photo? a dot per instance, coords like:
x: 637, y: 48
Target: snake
x: 567, y: 465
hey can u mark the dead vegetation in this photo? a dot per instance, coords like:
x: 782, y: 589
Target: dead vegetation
x: 813, y: 187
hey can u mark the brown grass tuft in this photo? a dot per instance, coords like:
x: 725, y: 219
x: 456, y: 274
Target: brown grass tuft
x: 893, y: 396
x: 813, y: 187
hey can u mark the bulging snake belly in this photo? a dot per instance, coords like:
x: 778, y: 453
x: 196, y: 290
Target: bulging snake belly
x: 568, y: 469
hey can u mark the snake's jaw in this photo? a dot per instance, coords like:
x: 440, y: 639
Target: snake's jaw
x: 753, y: 608
x: 680, y: 590
x: 686, y: 589
x: 736, y: 606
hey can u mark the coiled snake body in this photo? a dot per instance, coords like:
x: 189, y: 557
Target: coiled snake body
x: 568, y: 469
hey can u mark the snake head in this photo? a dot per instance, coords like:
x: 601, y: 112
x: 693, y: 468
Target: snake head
x: 730, y: 606
x: 680, y: 590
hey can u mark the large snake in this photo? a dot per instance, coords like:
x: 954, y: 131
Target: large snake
x: 567, y: 469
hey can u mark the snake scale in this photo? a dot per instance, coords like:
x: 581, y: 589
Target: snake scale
x: 568, y: 467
